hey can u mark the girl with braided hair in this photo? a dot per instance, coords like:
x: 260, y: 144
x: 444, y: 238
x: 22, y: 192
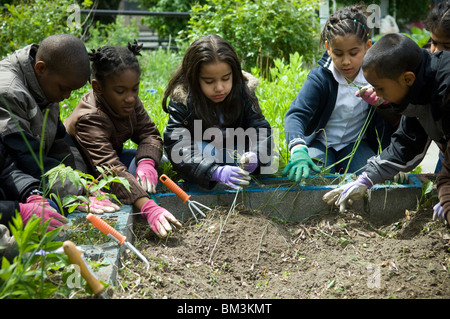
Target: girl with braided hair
x: 111, y: 114
x: 327, y: 117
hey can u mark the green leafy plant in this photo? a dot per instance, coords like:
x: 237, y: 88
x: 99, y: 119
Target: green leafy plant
x: 168, y: 26
x: 26, y: 276
x: 112, y: 34
x: 91, y: 185
x: 419, y: 36
x: 276, y: 92
x: 27, y: 22
x: 260, y: 30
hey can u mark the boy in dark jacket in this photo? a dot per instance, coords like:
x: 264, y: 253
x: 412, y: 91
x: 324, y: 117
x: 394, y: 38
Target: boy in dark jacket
x: 417, y: 83
x: 33, y: 81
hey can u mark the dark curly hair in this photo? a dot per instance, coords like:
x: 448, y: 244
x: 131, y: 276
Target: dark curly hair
x: 439, y: 18
x: 348, y: 20
x: 392, y: 55
x: 109, y: 60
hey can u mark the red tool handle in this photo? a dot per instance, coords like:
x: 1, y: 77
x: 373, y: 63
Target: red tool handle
x: 174, y: 187
x: 106, y: 229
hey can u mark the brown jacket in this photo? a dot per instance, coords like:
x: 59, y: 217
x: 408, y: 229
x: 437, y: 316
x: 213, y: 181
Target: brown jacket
x: 100, y: 133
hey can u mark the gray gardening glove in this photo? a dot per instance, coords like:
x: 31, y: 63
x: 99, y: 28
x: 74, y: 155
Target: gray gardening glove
x: 346, y: 194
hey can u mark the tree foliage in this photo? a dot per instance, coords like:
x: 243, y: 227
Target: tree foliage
x: 168, y: 26
x: 31, y: 21
x: 405, y: 11
x: 260, y: 30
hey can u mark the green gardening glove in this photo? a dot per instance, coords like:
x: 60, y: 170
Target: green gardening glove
x: 300, y: 164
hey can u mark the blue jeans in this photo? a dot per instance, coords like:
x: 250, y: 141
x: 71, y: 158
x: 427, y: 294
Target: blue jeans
x: 439, y: 163
x: 359, y: 159
x: 128, y: 158
x: 220, y: 156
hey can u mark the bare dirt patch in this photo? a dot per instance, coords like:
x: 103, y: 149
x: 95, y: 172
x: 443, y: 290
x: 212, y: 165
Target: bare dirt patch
x: 250, y: 255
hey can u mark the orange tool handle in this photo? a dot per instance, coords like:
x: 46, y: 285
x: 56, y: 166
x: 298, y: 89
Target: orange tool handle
x: 106, y: 229
x: 174, y: 187
x: 75, y: 258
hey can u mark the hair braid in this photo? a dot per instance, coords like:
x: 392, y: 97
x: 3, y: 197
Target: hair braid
x: 110, y: 60
x: 349, y: 20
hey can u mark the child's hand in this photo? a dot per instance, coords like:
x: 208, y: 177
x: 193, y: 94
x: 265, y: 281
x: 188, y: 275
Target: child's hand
x: 345, y: 195
x: 160, y: 220
x: 368, y: 94
x: 300, y: 164
x: 249, y: 162
x: 439, y: 213
x: 39, y: 206
x: 98, y: 204
x: 147, y: 175
x: 231, y: 176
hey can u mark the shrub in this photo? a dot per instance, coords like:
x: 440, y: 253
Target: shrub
x: 260, y: 30
x: 31, y: 21
x: 168, y: 26
x: 112, y: 34
x: 276, y: 94
x: 405, y: 11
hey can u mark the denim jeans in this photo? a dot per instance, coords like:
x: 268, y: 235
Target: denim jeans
x: 359, y: 159
x: 128, y: 158
x: 219, y: 156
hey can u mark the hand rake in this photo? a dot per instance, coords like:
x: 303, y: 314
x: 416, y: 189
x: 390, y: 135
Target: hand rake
x: 184, y: 197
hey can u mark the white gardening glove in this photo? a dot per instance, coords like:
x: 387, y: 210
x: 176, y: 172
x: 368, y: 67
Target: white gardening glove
x: 346, y: 194
x: 98, y: 204
x: 439, y: 214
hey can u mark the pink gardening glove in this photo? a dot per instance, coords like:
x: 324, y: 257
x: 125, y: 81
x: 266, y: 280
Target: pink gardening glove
x: 368, y: 94
x: 39, y: 206
x: 98, y: 206
x: 159, y: 218
x: 249, y: 162
x: 147, y: 175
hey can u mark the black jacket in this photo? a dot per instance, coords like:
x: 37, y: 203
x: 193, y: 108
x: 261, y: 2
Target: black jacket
x: 426, y: 110
x: 15, y: 186
x: 195, y: 167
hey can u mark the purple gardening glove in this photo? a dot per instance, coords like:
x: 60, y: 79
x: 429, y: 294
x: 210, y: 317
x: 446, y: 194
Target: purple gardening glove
x: 159, y: 218
x: 368, y: 94
x: 439, y: 214
x: 147, y: 175
x: 249, y: 162
x: 39, y: 206
x: 98, y: 204
x: 348, y: 193
x: 231, y: 175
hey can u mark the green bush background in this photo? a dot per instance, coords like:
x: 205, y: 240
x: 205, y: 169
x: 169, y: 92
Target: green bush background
x: 276, y: 40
